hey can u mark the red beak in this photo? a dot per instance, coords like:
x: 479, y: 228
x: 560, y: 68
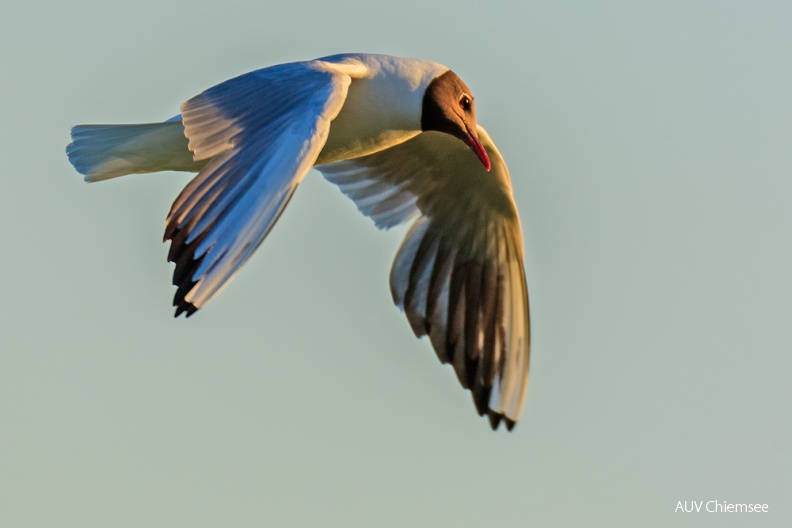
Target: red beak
x: 476, y: 146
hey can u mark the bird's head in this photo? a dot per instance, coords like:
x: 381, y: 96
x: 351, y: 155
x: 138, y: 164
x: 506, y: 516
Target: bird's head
x: 448, y: 106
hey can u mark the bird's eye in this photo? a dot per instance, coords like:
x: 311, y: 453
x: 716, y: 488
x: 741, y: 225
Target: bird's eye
x: 465, y: 101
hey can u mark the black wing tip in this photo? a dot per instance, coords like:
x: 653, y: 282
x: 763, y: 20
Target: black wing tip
x: 496, y: 418
x: 185, y: 308
x: 183, y: 255
x: 481, y: 396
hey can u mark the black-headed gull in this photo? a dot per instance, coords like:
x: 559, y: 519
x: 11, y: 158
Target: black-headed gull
x: 399, y: 137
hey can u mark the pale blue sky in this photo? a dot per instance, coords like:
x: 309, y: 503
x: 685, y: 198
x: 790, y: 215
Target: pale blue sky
x: 649, y: 144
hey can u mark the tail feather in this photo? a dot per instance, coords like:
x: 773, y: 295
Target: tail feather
x: 101, y: 152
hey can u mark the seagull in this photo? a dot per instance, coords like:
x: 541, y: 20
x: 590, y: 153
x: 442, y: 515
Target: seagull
x: 399, y: 137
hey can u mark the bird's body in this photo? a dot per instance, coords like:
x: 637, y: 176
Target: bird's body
x: 399, y: 137
x: 363, y: 125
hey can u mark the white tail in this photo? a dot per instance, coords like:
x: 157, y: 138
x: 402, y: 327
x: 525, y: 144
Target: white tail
x: 101, y: 152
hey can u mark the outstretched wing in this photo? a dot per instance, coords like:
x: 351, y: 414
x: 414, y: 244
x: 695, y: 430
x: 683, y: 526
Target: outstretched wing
x: 459, y: 274
x: 261, y: 133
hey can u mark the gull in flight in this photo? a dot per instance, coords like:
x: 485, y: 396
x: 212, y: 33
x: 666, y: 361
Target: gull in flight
x: 399, y: 137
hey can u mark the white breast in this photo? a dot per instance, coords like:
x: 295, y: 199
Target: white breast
x: 382, y: 109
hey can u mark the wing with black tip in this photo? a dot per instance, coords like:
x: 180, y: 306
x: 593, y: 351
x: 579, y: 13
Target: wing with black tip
x: 260, y: 134
x: 459, y: 274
